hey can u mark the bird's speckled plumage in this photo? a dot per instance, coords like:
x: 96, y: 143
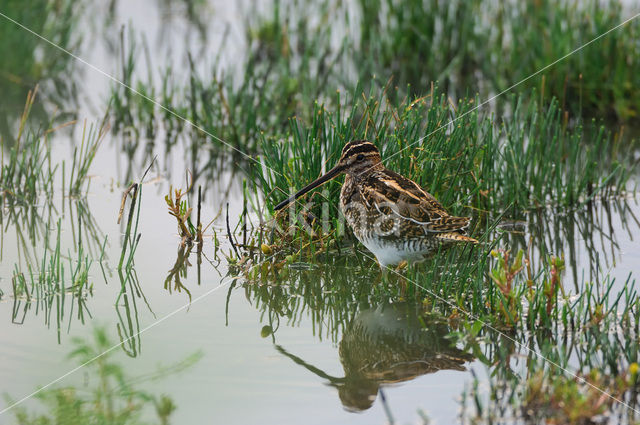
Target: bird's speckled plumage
x: 391, y: 215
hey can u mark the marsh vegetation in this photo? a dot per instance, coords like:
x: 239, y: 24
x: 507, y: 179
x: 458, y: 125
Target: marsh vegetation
x: 538, y: 323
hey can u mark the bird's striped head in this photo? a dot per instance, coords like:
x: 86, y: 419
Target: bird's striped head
x: 359, y: 156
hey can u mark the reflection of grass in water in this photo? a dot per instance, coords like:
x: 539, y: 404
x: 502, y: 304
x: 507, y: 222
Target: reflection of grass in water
x: 586, y: 236
x: 510, y: 290
x: 591, y: 331
x: 127, y: 310
x: 109, y: 397
x: 46, y: 288
x: 130, y: 289
x: 32, y: 224
x: 546, y: 394
x: 329, y: 295
x: 131, y: 235
x: 28, y: 178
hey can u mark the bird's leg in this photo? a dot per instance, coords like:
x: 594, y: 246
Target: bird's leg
x: 392, y: 276
x: 402, y: 265
x: 383, y: 276
x: 402, y: 282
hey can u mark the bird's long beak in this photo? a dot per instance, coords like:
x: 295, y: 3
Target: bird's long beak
x: 318, y: 182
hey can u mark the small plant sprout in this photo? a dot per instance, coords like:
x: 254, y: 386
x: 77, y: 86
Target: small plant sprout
x: 180, y: 209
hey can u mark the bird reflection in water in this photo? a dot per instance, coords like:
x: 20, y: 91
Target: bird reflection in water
x: 389, y: 344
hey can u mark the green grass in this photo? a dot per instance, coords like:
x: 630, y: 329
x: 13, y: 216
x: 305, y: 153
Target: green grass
x: 131, y: 235
x: 485, y: 47
x: 83, y: 157
x: 28, y: 174
x: 32, y: 61
x: 420, y: 42
x: 496, y: 289
x: 597, y: 81
x: 528, y: 306
x: 468, y: 49
x: 235, y: 103
x: 126, y: 303
x: 531, y: 160
x: 279, y: 104
x: 27, y: 170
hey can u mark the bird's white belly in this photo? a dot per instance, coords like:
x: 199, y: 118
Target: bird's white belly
x: 390, y: 253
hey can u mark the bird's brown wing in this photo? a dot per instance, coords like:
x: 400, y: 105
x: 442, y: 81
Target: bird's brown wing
x: 392, y: 193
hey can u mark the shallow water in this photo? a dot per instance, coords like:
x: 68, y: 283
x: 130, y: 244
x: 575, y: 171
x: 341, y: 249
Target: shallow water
x: 269, y: 354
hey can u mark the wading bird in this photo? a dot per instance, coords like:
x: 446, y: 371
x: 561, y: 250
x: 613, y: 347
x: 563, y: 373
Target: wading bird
x: 390, y: 214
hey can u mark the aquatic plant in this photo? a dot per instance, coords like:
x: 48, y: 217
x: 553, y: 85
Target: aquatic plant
x: 503, y: 275
x: 33, y: 61
x: 126, y: 306
x: 112, y: 397
x: 131, y: 235
x: 83, y: 157
x: 596, y: 81
x: 27, y: 172
x: 225, y: 107
x: 544, y: 338
x: 468, y: 49
x: 484, y: 47
x: 45, y: 288
x: 540, y: 392
x: 179, y: 209
x: 417, y: 43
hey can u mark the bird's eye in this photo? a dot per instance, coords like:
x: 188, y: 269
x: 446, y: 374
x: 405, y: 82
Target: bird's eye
x: 359, y: 157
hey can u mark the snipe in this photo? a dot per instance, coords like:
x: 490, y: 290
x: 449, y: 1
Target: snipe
x: 391, y: 215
